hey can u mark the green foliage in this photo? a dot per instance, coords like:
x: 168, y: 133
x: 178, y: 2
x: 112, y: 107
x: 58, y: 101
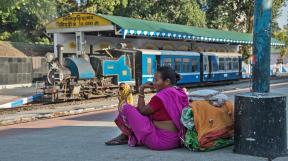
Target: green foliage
x: 5, y: 36
x: 25, y: 19
x: 19, y: 36
x: 104, y: 6
x: 185, y: 12
x: 246, y: 53
x: 283, y: 36
x: 236, y: 15
x: 100, y: 6
x: 43, y: 41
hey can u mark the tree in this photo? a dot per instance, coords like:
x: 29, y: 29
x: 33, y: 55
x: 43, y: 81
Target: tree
x: 236, y: 15
x: 64, y: 7
x: 186, y: 12
x: 104, y: 6
x: 100, y: 6
x: 7, y: 16
x: 282, y: 36
x: 24, y: 20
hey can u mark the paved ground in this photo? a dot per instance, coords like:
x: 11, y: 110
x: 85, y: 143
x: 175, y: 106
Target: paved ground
x: 82, y: 137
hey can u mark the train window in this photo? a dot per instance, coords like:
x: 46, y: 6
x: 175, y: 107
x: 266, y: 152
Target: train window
x: 128, y: 60
x: 235, y: 64
x: 229, y: 63
x: 168, y: 62
x: 186, y: 65
x: 215, y: 62
x: 221, y: 64
x: 205, y: 64
x: 177, y: 64
x: 194, y: 65
x: 149, y: 65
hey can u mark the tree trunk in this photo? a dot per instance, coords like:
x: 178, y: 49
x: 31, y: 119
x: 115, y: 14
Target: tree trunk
x: 250, y: 24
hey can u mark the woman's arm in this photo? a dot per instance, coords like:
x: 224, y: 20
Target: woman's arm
x: 144, y: 109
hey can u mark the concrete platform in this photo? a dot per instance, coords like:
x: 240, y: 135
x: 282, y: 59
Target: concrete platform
x: 8, y: 95
x: 82, y: 137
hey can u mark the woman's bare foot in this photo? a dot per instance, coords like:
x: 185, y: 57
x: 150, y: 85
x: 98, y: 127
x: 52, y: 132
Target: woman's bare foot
x: 119, y: 140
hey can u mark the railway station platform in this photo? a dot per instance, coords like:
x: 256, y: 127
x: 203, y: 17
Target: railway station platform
x: 40, y: 110
x: 82, y: 137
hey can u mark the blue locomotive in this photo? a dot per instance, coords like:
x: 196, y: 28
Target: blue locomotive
x: 101, y: 72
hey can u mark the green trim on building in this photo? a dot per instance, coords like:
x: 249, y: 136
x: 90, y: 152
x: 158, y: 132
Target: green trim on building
x: 138, y: 27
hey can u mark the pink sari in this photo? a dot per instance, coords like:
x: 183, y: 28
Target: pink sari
x: 141, y: 129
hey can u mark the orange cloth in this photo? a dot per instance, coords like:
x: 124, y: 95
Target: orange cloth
x: 211, y: 122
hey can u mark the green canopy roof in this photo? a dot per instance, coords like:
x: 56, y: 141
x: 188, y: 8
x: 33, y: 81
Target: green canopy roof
x: 138, y: 27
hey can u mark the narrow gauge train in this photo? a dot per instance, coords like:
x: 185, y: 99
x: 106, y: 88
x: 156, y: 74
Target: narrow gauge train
x: 101, y: 72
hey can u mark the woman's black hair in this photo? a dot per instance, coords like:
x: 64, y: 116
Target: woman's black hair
x: 168, y: 73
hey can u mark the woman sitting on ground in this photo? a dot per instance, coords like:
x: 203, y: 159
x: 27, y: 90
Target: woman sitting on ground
x: 156, y: 124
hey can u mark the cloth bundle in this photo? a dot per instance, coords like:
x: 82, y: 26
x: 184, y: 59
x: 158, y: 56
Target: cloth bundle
x: 215, y: 97
x: 209, y: 121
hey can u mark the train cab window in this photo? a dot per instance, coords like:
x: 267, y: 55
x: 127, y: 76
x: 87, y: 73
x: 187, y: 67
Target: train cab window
x: 186, y: 65
x: 149, y: 66
x: 221, y: 64
x: 194, y: 65
x: 205, y: 64
x: 229, y: 63
x: 168, y: 62
x: 235, y: 64
x: 177, y: 62
x: 215, y: 63
x: 128, y: 60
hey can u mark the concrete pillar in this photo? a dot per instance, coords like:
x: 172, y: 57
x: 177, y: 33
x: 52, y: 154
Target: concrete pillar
x: 260, y: 116
x: 260, y: 124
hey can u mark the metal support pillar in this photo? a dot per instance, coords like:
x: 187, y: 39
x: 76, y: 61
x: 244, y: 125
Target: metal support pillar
x: 55, y: 40
x: 262, y: 45
x: 260, y: 116
x: 80, y: 43
x: 91, y: 49
x: 60, y: 56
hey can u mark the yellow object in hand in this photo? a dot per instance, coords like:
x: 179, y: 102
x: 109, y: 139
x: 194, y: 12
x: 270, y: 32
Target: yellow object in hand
x: 125, y: 95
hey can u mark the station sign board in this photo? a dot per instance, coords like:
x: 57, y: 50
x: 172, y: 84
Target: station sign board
x: 77, y: 20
